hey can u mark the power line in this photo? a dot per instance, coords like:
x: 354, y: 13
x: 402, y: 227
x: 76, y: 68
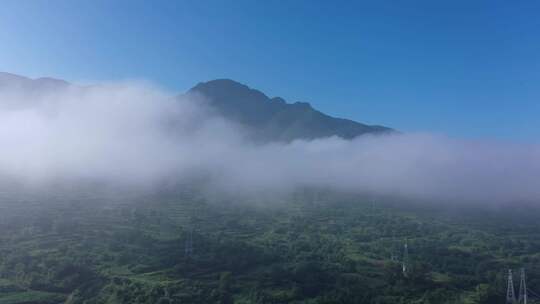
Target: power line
x: 533, y: 293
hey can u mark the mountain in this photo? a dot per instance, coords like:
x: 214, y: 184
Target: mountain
x: 266, y: 119
x: 8, y: 80
x: 273, y: 119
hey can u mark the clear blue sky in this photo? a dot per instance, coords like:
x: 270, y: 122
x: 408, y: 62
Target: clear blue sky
x: 463, y: 68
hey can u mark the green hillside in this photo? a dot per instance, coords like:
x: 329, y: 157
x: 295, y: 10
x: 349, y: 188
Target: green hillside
x: 314, y: 247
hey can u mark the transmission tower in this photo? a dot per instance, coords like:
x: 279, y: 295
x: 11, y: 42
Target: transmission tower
x: 393, y: 257
x: 510, y: 295
x: 522, y: 298
x: 405, y: 262
x: 394, y: 249
x: 188, y: 246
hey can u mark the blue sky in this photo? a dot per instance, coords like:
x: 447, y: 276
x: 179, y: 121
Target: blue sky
x: 467, y: 69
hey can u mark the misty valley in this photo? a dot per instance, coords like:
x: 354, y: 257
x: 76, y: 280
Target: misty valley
x: 312, y: 246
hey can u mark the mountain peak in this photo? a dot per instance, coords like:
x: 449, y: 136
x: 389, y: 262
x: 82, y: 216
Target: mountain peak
x: 271, y: 119
x: 227, y: 88
x: 223, y: 81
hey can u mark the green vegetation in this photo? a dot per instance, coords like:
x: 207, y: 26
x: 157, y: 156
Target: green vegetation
x: 331, y: 250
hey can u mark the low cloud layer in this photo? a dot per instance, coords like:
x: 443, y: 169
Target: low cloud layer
x: 134, y: 134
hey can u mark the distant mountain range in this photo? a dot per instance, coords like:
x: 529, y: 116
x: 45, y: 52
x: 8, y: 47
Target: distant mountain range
x: 28, y: 84
x: 266, y: 119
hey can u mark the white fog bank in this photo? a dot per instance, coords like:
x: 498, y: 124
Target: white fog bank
x: 136, y: 134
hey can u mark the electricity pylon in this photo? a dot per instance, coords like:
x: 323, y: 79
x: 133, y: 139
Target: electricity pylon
x: 405, y: 262
x: 522, y: 297
x: 510, y: 295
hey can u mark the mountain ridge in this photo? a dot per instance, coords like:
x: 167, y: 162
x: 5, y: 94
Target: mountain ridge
x: 265, y: 118
x: 273, y: 118
x: 26, y: 82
